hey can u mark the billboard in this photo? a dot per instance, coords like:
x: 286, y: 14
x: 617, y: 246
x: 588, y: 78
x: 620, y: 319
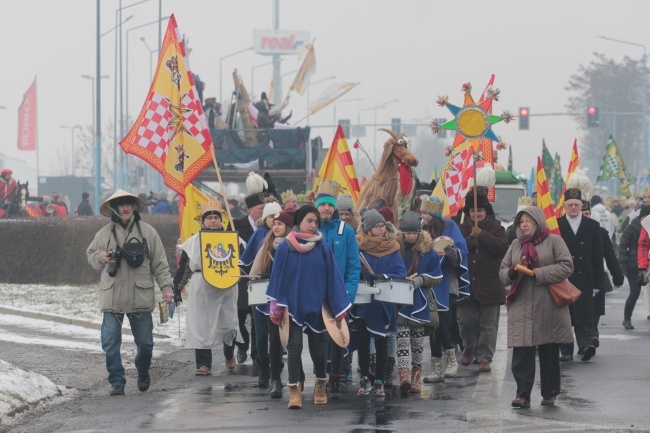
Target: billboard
x: 279, y: 41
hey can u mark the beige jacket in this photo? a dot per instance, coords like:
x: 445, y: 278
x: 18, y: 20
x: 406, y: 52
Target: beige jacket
x: 132, y: 289
x: 533, y: 318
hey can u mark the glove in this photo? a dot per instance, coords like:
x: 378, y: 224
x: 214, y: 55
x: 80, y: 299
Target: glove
x: 177, y: 295
x: 418, y: 281
x: 379, y: 277
x: 618, y: 280
x: 341, y: 316
x: 641, y: 279
x: 275, y: 313
x: 512, y: 274
x: 451, y: 252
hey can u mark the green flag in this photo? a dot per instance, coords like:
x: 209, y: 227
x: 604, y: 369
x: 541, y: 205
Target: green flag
x: 558, y: 181
x: 510, y: 159
x: 549, y: 168
x: 613, y: 166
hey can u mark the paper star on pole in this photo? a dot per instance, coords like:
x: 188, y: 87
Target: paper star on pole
x: 472, y: 120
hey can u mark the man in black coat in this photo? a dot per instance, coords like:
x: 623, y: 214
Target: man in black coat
x: 583, y: 238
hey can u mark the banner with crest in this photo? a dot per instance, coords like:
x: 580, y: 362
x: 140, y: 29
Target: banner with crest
x: 220, y: 258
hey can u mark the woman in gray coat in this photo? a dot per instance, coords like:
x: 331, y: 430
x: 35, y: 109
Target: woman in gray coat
x: 533, y: 319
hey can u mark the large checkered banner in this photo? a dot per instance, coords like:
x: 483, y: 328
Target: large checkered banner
x: 171, y: 132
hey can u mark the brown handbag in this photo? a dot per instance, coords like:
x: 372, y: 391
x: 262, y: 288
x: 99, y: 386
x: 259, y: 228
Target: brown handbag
x: 564, y: 293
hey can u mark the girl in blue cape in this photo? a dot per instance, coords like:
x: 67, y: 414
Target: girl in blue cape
x: 422, y: 261
x: 304, y: 276
x: 381, y: 251
x: 454, y: 286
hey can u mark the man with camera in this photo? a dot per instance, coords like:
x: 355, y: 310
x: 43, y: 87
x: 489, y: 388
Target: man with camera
x: 130, y: 255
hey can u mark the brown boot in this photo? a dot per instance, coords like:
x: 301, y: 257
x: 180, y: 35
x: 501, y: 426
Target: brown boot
x: 416, y: 380
x: 320, y: 392
x: 404, y: 380
x: 295, y: 397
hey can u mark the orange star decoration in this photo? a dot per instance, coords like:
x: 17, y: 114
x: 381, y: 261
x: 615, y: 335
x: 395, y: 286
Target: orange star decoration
x: 177, y: 119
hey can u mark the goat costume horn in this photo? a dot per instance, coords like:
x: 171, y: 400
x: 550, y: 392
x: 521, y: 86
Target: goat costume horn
x: 392, y: 134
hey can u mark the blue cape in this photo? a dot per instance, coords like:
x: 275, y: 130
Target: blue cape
x: 303, y: 281
x: 429, y: 265
x: 441, y: 291
x: 253, y: 246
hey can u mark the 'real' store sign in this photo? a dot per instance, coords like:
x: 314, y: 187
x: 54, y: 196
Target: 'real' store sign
x: 279, y: 41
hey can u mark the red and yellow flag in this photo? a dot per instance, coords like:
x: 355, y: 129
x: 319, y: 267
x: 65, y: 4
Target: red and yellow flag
x: 171, y: 133
x: 574, y: 163
x: 338, y: 166
x: 307, y: 69
x: 544, y: 198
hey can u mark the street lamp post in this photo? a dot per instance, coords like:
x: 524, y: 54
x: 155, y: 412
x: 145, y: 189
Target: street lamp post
x: 92, y: 87
x: 644, y: 108
x: 74, y: 160
x: 340, y: 102
x: 374, y: 146
x: 221, y: 70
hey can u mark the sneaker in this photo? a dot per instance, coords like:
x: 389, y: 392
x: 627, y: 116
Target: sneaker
x: 379, y: 389
x: 144, y: 382
x: 484, y: 366
x: 466, y: 357
x: 566, y: 358
x: 117, y: 390
x: 203, y: 371
x: 627, y: 324
x: 364, y: 386
x: 241, y: 356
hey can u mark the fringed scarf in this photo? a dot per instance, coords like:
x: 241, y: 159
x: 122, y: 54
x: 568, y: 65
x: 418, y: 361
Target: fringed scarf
x: 527, y: 250
x: 303, y: 242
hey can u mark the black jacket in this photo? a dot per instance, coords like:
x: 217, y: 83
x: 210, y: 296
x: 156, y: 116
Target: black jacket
x: 614, y: 268
x: 586, y: 247
x: 245, y: 230
x: 628, y: 246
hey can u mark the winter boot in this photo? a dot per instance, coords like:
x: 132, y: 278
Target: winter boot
x: 335, y: 386
x: 388, y: 380
x: 320, y: 391
x: 416, y: 380
x: 263, y: 380
x: 452, y: 364
x: 276, y: 389
x: 404, y: 380
x: 295, y: 397
x: 627, y: 324
x: 437, y: 374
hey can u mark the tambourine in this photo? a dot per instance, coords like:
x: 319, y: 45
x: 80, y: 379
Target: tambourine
x: 442, y: 242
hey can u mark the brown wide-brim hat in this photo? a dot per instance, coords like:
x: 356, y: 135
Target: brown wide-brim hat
x: 105, y: 208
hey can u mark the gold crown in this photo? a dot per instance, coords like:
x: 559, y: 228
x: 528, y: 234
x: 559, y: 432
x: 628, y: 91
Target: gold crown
x: 525, y: 201
x: 432, y: 205
x: 211, y: 205
x: 329, y: 187
x: 302, y: 199
x: 288, y: 195
x: 646, y: 190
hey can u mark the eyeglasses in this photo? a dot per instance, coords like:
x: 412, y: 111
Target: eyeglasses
x: 380, y: 226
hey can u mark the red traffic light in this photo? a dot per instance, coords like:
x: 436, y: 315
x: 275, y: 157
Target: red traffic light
x: 592, y: 110
x: 523, y: 112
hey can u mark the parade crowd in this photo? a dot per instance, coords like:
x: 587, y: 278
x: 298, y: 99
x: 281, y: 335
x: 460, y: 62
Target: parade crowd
x: 322, y: 265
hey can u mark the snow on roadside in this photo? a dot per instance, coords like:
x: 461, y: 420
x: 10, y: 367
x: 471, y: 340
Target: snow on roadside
x: 21, y: 388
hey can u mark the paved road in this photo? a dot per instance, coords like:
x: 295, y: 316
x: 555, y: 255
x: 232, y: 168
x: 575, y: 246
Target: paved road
x: 610, y: 393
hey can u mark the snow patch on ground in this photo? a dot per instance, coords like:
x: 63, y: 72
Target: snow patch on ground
x: 21, y: 388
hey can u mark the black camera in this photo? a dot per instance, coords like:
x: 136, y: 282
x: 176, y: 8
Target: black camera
x: 114, y: 262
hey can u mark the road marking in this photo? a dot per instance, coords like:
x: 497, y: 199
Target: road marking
x: 621, y: 337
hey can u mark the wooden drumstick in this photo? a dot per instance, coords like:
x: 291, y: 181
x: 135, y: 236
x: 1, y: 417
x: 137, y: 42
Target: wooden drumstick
x: 522, y: 269
x: 366, y: 264
x: 412, y: 276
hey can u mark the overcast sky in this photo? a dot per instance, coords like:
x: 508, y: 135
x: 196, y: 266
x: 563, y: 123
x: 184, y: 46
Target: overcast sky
x: 411, y: 50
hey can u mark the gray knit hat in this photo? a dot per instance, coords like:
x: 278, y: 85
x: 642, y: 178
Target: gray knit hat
x: 344, y: 202
x: 411, y: 222
x: 371, y: 218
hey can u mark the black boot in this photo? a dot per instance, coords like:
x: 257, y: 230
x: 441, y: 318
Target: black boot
x: 263, y: 380
x: 388, y: 382
x: 276, y: 389
x: 335, y: 386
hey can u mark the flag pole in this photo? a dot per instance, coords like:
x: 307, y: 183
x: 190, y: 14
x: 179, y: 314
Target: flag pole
x: 223, y: 188
x: 474, y: 157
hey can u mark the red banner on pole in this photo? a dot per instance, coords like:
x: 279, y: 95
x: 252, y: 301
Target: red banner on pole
x: 27, y: 120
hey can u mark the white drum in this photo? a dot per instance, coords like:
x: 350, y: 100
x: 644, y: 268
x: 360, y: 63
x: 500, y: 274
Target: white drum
x: 395, y: 291
x: 257, y: 291
x: 364, y: 293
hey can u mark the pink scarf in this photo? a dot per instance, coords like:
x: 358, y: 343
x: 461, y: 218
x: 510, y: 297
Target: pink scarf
x: 309, y: 241
x: 527, y: 250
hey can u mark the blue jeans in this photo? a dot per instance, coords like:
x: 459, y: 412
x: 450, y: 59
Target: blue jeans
x: 111, y: 335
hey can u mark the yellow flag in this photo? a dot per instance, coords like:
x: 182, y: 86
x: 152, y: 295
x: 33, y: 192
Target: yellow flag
x: 190, y: 213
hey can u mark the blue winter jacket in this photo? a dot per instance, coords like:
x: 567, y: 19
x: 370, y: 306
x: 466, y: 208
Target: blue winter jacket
x: 343, y: 242
x: 163, y: 206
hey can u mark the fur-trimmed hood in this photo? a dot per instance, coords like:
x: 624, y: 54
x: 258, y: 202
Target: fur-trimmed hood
x: 426, y: 244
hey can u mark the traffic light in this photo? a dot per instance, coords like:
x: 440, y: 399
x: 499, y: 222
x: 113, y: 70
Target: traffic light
x: 593, y: 117
x: 396, y: 125
x: 524, y: 117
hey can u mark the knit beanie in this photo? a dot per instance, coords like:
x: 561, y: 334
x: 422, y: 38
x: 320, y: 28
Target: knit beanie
x: 411, y: 222
x: 302, y: 212
x: 645, y: 211
x: 344, y: 202
x: 387, y: 213
x: 371, y: 218
x: 286, y: 216
x: 271, y: 209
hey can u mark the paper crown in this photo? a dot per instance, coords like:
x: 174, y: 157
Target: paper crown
x: 433, y: 205
x: 646, y: 190
x: 329, y: 187
x: 525, y: 201
x: 287, y: 195
x: 211, y: 206
x: 302, y: 199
